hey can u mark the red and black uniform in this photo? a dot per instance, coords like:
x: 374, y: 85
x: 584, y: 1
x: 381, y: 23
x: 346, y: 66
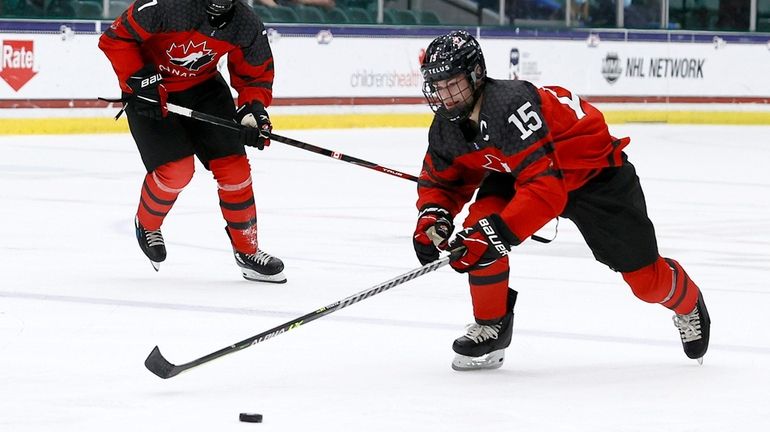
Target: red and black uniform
x: 539, y: 153
x: 176, y: 37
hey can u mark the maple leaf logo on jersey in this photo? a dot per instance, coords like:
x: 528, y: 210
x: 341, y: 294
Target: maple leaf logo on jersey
x: 495, y: 164
x: 190, y: 56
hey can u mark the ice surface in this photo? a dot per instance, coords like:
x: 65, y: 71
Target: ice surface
x: 81, y: 307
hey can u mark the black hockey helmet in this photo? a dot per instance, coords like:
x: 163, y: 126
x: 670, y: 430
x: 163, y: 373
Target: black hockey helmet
x: 454, y: 54
x: 219, y: 11
x: 219, y: 7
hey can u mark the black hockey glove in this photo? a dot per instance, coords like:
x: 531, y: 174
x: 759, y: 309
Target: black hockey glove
x: 148, y: 95
x: 258, y: 127
x: 485, y: 242
x: 434, y: 226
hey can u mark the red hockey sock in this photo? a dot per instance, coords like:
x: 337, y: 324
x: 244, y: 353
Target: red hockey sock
x: 685, y: 293
x: 236, y: 200
x: 489, y: 291
x: 160, y: 189
x: 664, y: 282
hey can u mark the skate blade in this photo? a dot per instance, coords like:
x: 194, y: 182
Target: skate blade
x: 700, y: 361
x: 155, y: 265
x: 492, y: 360
x: 253, y: 276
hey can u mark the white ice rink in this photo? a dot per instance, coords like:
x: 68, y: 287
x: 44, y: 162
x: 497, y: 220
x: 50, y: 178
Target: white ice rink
x: 81, y: 307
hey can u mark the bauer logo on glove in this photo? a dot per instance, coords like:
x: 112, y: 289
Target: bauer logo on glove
x: 485, y: 242
x: 151, y: 80
x: 494, y: 239
x: 148, y: 94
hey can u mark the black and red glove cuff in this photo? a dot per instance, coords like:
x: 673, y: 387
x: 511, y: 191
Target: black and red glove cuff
x: 502, y: 229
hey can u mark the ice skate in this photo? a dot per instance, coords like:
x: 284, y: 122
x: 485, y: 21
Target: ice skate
x: 694, y: 330
x: 260, y: 267
x: 483, y: 346
x: 151, y: 243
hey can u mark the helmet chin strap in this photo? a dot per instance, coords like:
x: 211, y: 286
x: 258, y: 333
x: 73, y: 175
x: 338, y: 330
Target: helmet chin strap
x: 478, y: 88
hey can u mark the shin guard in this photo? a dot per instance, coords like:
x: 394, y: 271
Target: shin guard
x: 236, y: 200
x: 664, y: 282
x: 489, y: 291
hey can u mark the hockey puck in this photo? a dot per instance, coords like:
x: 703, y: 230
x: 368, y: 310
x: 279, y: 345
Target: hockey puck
x: 250, y: 417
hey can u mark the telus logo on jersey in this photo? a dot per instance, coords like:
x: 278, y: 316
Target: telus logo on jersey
x: 190, y: 56
x: 17, y: 67
x: 611, y: 69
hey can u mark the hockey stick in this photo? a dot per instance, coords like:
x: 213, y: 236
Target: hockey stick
x: 161, y: 367
x: 230, y: 124
x: 186, y: 112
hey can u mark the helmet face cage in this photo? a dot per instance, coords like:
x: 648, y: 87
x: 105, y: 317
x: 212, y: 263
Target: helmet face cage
x: 448, y: 56
x: 463, y: 104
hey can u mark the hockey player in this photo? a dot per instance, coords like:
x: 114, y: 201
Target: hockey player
x: 168, y: 50
x: 532, y: 154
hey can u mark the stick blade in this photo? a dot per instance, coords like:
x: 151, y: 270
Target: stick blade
x: 161, y: 367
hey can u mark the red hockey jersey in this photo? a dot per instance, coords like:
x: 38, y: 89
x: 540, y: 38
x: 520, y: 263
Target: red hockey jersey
x: 176, y: 37
x: 550, y: 141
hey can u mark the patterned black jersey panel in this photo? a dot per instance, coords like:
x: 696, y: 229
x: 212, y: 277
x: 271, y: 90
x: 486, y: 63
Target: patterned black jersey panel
x: 511, y: 118
x: 160, y: 16
x: 446, y: 142
x: 157, y: 16
x: 245, y: 31
x: 244, y: 28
